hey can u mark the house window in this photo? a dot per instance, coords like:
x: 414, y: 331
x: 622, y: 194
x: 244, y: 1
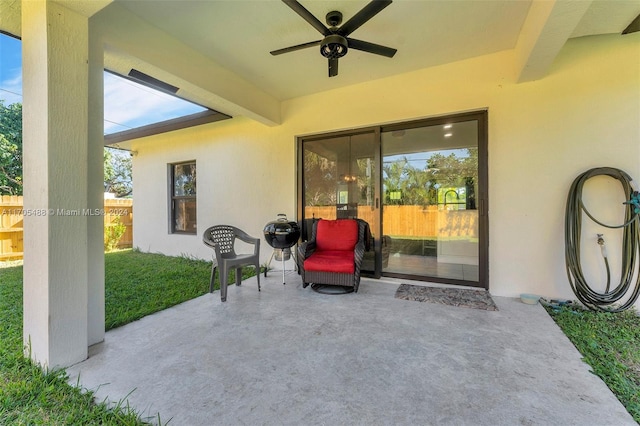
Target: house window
x: 183, y: 197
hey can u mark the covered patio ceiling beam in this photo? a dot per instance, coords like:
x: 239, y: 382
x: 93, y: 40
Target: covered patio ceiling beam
x: 547, y: 28
x: 10, y: 12
x: 10, y: 18
x: 228, y: 93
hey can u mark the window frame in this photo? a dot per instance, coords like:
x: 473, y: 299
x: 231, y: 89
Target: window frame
x: 172, y: 198
x: 482, y: 195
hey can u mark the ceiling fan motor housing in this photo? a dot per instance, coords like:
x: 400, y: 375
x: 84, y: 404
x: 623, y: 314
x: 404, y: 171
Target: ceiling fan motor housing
x: 336, y: 41
x: 334, y: 46
x: 334, y: 18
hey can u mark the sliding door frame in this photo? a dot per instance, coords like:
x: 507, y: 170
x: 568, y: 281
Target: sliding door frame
x: 377, y: 228
x: 481, y: 116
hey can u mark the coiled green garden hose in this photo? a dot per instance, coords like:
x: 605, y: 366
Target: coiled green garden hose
x: 609, y: 300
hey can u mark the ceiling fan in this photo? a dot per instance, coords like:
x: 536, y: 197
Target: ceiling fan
x: 633, y: 27
x: 336, y: 41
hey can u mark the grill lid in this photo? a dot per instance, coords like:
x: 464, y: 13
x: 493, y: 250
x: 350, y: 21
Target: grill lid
x: 281, y: 233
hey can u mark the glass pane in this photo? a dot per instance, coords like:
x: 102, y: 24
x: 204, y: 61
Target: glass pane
x: 184, y: 215
x: 339, y: 177
x: 430, y: 178
x: 339, y: 181
x: 323, y: 187
x: 184, y: 179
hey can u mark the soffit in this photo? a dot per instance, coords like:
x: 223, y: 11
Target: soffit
x: 607, y: 17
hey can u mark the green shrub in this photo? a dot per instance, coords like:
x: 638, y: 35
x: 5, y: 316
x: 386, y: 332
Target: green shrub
x: 113, y: 233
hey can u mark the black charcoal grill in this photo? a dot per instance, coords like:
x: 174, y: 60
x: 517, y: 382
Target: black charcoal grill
x: 281, y: 234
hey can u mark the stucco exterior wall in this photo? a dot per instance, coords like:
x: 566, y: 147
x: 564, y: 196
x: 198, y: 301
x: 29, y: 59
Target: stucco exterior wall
x: 585, y: 113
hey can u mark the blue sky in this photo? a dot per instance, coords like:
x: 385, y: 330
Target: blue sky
x: 10, y: 70
x: 126, y: 104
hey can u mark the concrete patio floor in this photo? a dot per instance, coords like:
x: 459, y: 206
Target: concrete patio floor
x: 291, y: 356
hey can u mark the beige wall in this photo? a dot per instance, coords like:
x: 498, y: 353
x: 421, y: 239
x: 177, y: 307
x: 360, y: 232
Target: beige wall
x: 585, y: 113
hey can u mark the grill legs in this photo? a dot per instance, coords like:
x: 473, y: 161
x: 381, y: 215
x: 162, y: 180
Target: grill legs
x: 283, y: 257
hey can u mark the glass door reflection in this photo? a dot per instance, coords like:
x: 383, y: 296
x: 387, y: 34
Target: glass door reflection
x: 430, y: 218
x: 339, y: 182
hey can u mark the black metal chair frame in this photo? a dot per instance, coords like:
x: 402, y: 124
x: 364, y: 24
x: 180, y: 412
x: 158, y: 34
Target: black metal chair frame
x: 221, y: 238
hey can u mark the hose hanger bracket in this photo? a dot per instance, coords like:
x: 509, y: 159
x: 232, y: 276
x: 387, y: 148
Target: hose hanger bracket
x: 634, y: 201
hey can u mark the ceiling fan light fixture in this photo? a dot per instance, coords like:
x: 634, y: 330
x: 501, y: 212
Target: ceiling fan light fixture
x: 336, y: 41
x: 334, y: 46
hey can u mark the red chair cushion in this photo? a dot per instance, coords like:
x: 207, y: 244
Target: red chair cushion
x: 340, y: 261
x: 341, y: 234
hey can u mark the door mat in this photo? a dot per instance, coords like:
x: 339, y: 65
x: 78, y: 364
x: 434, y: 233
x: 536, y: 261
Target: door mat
x: 476, y: 299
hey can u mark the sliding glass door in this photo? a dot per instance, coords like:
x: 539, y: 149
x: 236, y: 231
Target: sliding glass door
x: 340, y: 181
x: 421, y: 186
x: 430, y: 188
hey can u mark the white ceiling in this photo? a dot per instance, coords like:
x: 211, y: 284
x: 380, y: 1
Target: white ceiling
x: 217, y: 51
x: 240, y: 34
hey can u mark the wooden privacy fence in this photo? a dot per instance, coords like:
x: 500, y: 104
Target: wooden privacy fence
x: 12, y: 214
x: 420, y: 222
x: 408, y: 221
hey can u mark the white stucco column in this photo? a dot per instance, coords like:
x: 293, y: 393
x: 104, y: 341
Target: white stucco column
x: 95, y: 187
x: 56, y: 182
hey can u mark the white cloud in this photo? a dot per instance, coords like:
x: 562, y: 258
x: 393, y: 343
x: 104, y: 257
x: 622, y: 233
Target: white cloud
x: 134, y: 105
x: 10, y: 69
x: 11, y: 86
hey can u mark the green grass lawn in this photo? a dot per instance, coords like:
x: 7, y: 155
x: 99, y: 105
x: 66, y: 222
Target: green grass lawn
x: 136, y: 284
x: 610, y: 344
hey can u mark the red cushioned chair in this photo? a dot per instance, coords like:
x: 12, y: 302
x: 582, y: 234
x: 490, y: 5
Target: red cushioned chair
x: 333, y: 255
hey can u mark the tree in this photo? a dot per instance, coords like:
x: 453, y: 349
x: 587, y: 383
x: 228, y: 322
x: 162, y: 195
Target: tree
x: 117, y: 172
x: 320, y: 180
x: 405, y: 184
x: 10, y: 149
x: 117, y: 163
x: 394, y: 175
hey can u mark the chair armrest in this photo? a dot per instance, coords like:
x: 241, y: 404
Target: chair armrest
x: 306, y: 249
x: 246, y: 237
x: 215, y: 247
x: 241, y: 235
x: 211, y: 244
x: 359, y: 253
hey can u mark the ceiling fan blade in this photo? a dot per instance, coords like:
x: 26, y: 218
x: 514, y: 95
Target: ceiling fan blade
x: 633, y: 27
x: 366, y: 13
x: 333, y: 67
x: 307, y: 16
x: 294, y: 48
x: 376, y: 49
